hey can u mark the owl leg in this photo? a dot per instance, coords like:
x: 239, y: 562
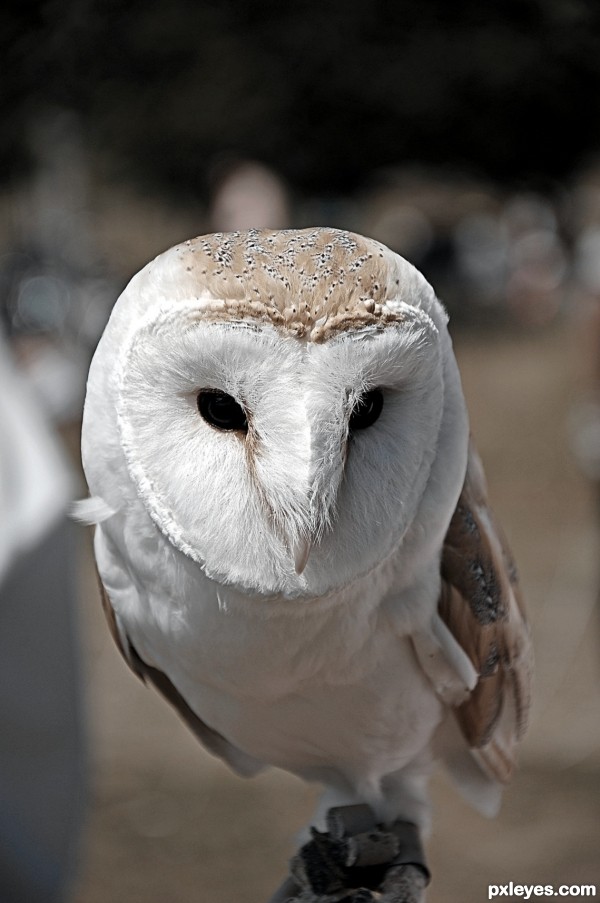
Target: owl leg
x: 357, y: 860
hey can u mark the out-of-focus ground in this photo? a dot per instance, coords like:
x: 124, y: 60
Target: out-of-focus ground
x: 169, y: 824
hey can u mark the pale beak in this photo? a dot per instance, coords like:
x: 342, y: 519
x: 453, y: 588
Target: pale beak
x: 301, y: 551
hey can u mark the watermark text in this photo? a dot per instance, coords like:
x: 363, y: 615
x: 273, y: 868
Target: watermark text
x: 528, y: 891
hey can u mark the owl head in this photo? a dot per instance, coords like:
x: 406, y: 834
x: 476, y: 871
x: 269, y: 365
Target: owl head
x: 282, y: 408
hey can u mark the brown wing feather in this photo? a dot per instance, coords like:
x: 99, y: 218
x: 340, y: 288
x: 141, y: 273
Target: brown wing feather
x: 482, y: 605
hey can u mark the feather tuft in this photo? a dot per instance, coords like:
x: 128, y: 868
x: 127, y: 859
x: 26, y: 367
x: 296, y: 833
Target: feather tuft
x: 93, y: 510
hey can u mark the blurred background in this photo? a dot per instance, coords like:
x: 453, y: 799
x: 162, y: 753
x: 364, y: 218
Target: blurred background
x: 465, y: 136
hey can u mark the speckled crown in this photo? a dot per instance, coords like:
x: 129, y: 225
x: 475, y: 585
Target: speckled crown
x: 312, y: 282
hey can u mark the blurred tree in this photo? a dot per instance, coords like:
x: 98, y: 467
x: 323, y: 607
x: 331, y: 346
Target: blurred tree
x: 326, y: 93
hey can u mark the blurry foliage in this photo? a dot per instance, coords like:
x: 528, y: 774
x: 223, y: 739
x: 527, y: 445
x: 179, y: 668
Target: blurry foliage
x: 326, y: 92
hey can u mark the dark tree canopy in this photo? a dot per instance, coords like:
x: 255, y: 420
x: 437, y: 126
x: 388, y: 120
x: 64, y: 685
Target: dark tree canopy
x: 327, y: 92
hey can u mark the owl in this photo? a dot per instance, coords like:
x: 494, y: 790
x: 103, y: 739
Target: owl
x: 292, y: 531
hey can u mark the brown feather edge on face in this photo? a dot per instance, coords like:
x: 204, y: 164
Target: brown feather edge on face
x: 211, y: 739
x: 482, y: 606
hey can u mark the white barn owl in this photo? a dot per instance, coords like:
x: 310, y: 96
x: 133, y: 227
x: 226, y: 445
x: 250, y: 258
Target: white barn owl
x: 292, y: 535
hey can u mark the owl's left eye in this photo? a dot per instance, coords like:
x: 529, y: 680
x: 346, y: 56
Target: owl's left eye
x: 221, y: 410
x: 366, y: 410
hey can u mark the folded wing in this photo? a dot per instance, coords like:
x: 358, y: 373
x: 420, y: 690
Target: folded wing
x: 482, y: 607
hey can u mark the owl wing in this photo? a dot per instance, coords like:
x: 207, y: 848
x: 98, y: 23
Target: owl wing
x: 214, y: 742
x: 479, y: 653
x: 482, y: 606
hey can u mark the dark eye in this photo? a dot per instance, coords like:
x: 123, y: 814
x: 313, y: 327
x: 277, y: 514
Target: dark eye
x: 366, y: 410
x: 221, y: 410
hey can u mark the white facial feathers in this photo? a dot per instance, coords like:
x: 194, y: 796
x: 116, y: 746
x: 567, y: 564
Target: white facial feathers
x: 307, y: 322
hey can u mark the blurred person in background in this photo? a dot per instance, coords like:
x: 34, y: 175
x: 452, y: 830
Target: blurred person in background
x: 247, y: 195
x: 54, y: 301
x: 42, y: 761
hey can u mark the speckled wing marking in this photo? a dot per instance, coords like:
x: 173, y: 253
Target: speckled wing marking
x: 214, y: 742
x: 482, y: 606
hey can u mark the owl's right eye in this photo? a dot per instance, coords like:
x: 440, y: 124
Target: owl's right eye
x: 221, y: 410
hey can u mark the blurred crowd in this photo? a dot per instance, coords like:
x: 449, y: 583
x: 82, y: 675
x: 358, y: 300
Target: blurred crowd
x: 497, y: 258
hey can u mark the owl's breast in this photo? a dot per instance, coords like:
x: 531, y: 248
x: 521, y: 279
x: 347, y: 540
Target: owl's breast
x: 309, y: 694
x: 367, y: 728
